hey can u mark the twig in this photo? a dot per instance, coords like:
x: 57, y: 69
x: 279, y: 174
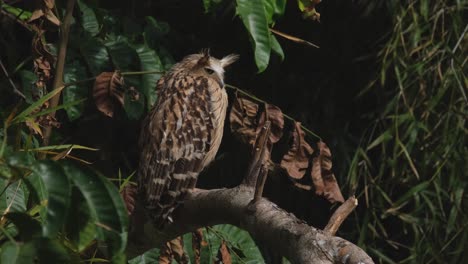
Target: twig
x: 62, y: 52
x: 340, y: 215
x: 263, y: 174
x: 294, y: 39
x: 258, y: 156
x: 15, y: 90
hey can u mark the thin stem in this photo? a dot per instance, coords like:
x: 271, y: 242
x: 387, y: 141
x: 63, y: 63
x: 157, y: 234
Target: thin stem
x: 265, y: 102
x: 15, y: 90
x: 141, y: 72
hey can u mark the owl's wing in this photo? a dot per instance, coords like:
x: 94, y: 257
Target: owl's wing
x: 175, y: 138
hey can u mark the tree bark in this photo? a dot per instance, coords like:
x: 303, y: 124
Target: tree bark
x: 265, y: 221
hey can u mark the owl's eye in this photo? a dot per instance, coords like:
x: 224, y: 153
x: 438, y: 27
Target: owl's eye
x: 209, y: 70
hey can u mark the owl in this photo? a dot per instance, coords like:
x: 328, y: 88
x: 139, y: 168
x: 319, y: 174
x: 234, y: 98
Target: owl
x: 182, y: 133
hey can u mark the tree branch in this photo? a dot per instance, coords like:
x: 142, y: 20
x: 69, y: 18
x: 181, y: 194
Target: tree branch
x: 265, y: 221
x: 62, y: 52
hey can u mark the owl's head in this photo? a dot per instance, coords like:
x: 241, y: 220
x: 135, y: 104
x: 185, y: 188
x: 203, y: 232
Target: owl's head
x: 203, y: 64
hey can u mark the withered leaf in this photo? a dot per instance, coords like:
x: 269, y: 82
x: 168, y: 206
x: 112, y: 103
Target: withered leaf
x: 107, y: 91
x: 173, y: 249
x: 49, y: 3
x: 128, y: 194
x: 224, y: 256
x: 243, y: 120
x: 275, y: 116
x: 197, y: 244
x: 322, y: 176
x: 296, y: 160
x: 246, y: 121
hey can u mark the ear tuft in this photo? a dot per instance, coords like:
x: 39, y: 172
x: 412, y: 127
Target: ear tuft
x: 205, y: 57
x: 229, y: 59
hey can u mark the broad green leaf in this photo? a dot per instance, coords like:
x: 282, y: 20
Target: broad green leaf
x: 96, y: 56
x: 58, y: 192
x: 240, y: 239
x: 51, y: 251
x: 89, y: 21
x: 122, y: 55
x: 276, y: 47
x: 274, y: 9
x: 149, y: 61
x: 28, y: 227
x: 103, y: 203
x: 14, y: 198
x: 18, y: 253
x: 150, y: 256
x: 74, y: 72
x: 254, y: 17
x: 155, y: 31
x: 80, y: 228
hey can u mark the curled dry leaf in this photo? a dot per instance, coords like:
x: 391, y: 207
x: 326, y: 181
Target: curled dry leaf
x: 197, y: 244
x: 247, y: 119
x: 322, y: 176
x: 45, y: 11
x: 128, y: 194
x: 108, y: 91
x: 224, y: 256
x: 296, y: 160
x: 173, y: 249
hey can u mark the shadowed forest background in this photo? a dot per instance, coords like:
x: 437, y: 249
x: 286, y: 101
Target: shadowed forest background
x: 386, y: 90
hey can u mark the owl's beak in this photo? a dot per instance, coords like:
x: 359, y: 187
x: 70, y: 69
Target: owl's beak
x: 221, y: 83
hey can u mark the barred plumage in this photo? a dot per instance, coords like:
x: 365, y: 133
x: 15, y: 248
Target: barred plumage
x: 182, y: 133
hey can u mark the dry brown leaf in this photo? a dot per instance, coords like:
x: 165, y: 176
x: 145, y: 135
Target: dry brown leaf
x: 128, y: 194
x: 322, y: 176
x: 243, y: 120
x: 108, y: 91
x: 173, y: 249
x: 275, y: 116
x: 49, y: 3
x: 296, y: 160
x: 197, y: 244
x: 224, y: 256
x: 247, y: 119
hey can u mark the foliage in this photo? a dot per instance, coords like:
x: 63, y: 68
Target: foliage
x: 391, y: 95
x: 412, y: 159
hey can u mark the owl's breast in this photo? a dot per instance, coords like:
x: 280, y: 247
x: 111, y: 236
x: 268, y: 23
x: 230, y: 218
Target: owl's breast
x: 217, y: 105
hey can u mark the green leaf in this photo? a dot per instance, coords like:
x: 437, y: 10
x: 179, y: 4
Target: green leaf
x: 150, y: 256
x: 155, y: 31
x: 73, y: 93
x: 22, y: 116
x: 254, y: 17
x: 123, y: 56
x: 274, y: 9
x: 28, y: 80
x: 14, y: 198
x: 51, y: 251
x: 149, y: 61
x: 28, y: 228
x: 89, y: 21
x: 17, y: 12
x: 276, y: 47
x: 58, y: 192
x: 96, y: 56
x: 18, y: 253
x: 80, y: 228
x: 104, y: 204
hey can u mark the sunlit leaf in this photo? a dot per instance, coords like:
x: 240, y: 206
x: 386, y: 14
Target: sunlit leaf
x: 254, y: 17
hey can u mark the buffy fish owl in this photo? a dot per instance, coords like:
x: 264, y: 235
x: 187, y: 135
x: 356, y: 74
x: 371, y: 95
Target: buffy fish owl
x: 182, y: 133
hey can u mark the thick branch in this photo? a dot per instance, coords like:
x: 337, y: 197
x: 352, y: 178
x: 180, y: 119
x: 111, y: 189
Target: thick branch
x: 265, y: 221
